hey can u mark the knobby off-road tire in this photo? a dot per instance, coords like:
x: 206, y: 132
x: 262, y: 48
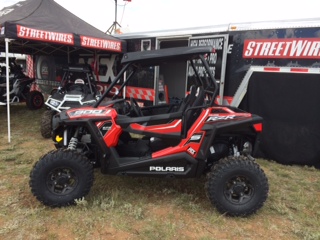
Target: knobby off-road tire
x: 46, y: 123
x: 237, y: 186
x: 34, y: 100
x: 60, y: 177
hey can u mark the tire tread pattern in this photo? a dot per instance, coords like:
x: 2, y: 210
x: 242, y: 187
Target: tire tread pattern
x: 46, y: 123
x: 51, y: 160
x: 220, y: 170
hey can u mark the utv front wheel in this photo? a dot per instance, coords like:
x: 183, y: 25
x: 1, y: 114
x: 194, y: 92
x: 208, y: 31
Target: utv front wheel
x: 60, y: 177
x: 237, y: 186
x: 46, y: 123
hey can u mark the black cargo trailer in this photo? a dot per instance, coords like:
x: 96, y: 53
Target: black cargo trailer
x: 268, y: 68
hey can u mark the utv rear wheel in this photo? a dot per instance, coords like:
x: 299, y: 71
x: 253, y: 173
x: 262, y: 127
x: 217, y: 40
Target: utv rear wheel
x: 237, y: 186
x: 60, y: 177
x: 34, y: 100
x: 46, y: 123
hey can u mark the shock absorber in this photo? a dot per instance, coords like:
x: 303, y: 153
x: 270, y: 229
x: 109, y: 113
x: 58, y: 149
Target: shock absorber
x: 74, y: 141
x: 236, y: 152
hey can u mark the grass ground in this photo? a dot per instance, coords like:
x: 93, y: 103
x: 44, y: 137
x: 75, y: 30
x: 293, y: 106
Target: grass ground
x: 144, y: 208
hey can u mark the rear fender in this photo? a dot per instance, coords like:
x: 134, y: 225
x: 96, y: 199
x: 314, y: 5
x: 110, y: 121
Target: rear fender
x: 243, y: 129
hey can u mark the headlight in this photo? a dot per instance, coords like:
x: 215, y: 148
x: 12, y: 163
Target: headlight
x: 54, y: 103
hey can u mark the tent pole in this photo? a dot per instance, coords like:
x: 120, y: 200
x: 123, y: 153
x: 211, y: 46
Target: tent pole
x: 7, y: 40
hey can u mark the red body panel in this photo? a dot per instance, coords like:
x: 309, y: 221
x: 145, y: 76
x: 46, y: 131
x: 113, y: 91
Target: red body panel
x: 186, y: 145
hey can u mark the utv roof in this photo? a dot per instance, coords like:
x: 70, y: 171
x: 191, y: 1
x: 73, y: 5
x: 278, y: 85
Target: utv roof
x: 154, y: 57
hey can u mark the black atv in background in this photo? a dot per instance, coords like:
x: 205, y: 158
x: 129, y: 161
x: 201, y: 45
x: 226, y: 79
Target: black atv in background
x: 194, y: 138
x: 19, y: 87
x: 77, y: 88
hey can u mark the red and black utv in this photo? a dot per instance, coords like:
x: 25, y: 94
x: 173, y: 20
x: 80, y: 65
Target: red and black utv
x: 187, y: 140
x: 19, y: 86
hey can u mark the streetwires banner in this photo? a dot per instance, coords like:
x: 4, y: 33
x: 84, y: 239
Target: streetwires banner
x: 45, y: 36
x: 99, y: 43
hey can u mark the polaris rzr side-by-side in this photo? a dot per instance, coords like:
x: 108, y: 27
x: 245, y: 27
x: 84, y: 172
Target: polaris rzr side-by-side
x: 196, y: 137
x: 19, y: 87
x: 77, y: 88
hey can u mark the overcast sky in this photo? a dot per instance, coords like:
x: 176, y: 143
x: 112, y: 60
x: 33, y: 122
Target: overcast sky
x: 148, y: 15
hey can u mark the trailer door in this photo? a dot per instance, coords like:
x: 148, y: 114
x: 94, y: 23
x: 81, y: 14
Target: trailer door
x: 171, y: 76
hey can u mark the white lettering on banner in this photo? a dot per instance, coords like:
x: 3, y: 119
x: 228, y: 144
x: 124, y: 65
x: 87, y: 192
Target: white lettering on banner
x: 36, y: 34
x: 213, y: 58
x: 100, y: 43
x: 217, y: 43
x: 193, y: 43
x: 282, y: 48
x: 201, y: 71
x: 230, y: 46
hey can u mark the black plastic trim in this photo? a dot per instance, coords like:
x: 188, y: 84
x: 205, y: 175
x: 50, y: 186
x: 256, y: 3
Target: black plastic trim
x: 124, y: 166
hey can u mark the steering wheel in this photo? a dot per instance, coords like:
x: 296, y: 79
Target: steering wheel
x: 135, y: 107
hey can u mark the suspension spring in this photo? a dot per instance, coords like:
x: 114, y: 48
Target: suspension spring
x: 73, y: 143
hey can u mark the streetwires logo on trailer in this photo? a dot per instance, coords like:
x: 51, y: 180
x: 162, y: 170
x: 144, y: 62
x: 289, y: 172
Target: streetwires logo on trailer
x: 301, y: 48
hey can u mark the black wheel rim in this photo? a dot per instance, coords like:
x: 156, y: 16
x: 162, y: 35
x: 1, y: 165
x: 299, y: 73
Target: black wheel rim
x: 62, y: 181
x: 239, y: 190
x: 37, y: 101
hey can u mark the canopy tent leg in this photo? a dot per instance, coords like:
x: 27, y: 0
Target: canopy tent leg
x: 7, y: 40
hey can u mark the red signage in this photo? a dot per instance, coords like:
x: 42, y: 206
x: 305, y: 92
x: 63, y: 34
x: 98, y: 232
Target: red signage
x: 296, y: 48
x: 46, y: 36
x: 99, y: 43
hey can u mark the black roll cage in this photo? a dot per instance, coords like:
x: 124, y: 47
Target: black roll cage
x: 155, y: 57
